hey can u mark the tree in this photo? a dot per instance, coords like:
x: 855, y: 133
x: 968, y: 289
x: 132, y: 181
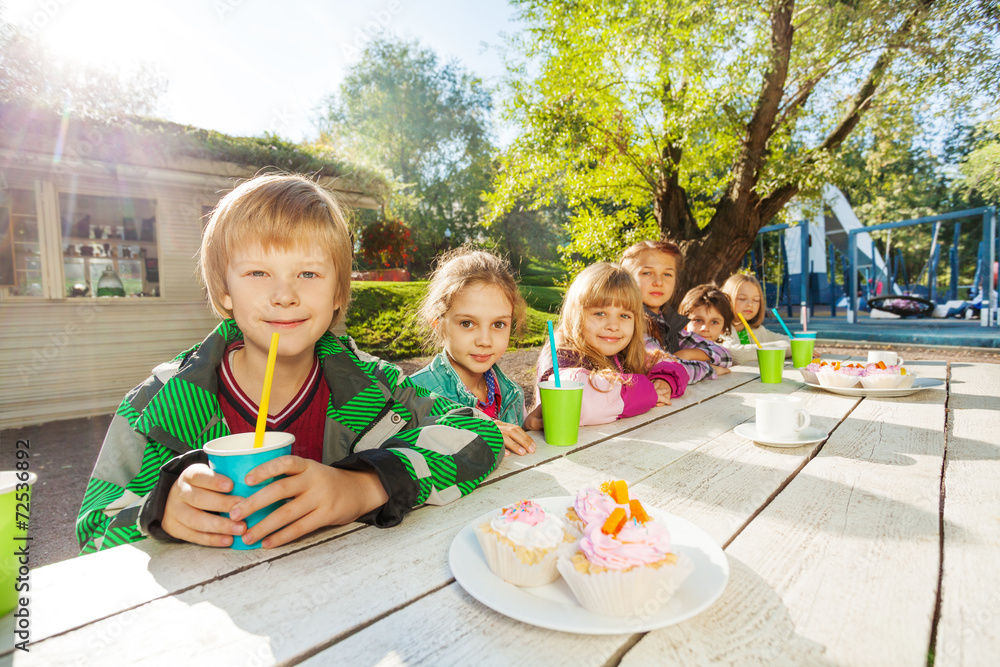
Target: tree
x: 427, y: 123
x: 31, y: 74
x: 980, y: 169
x: 704, y: 118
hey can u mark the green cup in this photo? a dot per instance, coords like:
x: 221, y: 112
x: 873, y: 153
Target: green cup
x: 15, y: 501
x: 802, y: 351
x: 561, y: 411
x: 771, y: 362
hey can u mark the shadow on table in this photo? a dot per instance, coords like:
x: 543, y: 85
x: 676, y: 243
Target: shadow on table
x: 749, y: 624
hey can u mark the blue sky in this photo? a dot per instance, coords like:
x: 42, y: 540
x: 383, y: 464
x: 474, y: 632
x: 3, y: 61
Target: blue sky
x: 248, y: 66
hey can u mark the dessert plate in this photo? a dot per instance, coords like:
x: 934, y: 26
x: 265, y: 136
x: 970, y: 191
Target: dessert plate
x: 806, y: 436
x: 919, y: 384
x: 554, y: 606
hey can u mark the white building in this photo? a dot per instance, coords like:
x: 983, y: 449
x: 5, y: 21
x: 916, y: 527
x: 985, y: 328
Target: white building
x: 81, y: 199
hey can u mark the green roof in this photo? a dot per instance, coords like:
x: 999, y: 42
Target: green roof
x: 159, y: 143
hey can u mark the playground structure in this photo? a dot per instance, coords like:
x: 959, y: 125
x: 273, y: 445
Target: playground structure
x: 816, y: 241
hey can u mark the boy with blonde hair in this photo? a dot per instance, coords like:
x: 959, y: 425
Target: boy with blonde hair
x: 369, y: 445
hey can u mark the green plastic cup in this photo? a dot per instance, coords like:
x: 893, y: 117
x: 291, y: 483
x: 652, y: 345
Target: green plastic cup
x: 771, y: 363
x: 234, y: 456
x: 15, y: 500
x: 802, y: 351
x: 561, y: 411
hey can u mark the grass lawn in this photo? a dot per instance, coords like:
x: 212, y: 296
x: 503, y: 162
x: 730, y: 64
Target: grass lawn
x: 382, y: 318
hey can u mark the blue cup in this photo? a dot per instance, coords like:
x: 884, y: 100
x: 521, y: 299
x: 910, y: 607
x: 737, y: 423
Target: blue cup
x: 234, y: 456
x: 804, y: 334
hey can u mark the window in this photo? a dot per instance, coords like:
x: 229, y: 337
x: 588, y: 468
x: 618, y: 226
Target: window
x: 20, y: 252
x: 109, y: 246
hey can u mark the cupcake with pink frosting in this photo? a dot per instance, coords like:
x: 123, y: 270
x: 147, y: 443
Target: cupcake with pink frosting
x: 880, y: 376
x: 624, y: 567
x: 591, y: 506
x: 521, y: 541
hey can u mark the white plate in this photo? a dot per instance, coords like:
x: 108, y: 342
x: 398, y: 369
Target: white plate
x: 554, y: 606
x: 919, y: 384
x: 806, y: 436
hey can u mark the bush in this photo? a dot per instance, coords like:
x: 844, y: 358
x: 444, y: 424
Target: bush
x: 383, y: 320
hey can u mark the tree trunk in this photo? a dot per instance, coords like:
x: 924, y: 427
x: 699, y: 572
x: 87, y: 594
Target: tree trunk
x: 717, y: 253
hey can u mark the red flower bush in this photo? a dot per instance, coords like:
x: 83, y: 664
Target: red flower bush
x: 386, y: 243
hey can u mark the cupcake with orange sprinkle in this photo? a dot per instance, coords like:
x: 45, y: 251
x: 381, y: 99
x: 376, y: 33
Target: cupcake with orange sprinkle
x: 521, y: 541
x: 596, y: 505
x: 625, y: 565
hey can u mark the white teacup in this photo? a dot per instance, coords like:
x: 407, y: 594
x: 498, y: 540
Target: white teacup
x: 780, y: 416
x: 887, y: 357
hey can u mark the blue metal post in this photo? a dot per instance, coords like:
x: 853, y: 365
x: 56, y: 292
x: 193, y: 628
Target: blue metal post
x: 990, y: 237
x: 932, y: 273
x: 832, y: 269
x: 852, y: 298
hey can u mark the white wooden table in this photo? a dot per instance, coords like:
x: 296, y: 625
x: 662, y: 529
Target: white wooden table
x: 877, y: 546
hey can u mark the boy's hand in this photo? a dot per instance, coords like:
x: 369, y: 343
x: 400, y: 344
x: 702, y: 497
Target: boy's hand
x: 533, y: 422
x: 318, y: 496
x: 663, y: 391
x: 721, y: 370
x: 515, y: 439
x: 188, y: 515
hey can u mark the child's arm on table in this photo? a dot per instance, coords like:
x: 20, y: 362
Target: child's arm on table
x: 515, y: 439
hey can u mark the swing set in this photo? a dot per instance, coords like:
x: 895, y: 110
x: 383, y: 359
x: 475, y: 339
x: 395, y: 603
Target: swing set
x: 874, y: 283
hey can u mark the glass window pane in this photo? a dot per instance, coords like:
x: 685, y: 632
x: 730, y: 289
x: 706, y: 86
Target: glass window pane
x: 20, y: 256
x: 102, y: 232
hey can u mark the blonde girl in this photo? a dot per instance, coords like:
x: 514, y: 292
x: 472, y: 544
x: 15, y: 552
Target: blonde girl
x: 471, y: 308
x: 599, y: 342
x: 656, y: 267
x: 747, y: 297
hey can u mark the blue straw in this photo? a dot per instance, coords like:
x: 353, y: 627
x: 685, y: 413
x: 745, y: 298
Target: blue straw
x: 555, y: 361
x: 782, y: 322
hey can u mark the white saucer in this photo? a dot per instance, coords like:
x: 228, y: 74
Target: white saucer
x: 806, y: 436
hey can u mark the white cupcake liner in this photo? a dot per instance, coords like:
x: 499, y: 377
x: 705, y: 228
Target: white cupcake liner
x: 506, y: 564
x: 837, y: 380
x: 882, y: 381
x: 638, y: 593
x: 907, y: 381
x: 808, y: 376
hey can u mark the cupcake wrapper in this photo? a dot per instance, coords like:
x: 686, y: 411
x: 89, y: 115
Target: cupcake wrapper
x: 907, y: 381
x: 882, y: 381
x: 837, y: 380
x: 639, y: 593
x: 504, y: 562
x: 809, y: 376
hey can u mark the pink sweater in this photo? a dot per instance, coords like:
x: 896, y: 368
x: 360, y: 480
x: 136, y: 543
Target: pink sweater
x: 607, y: 400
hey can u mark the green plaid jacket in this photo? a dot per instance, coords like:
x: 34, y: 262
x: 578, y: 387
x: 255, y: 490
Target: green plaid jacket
x: 376, y: 419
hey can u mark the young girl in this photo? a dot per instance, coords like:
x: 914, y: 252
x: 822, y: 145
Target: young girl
x: 471, y: 307
x: 710, y: 316
x: 599, y: 342
x: 655, y: 265
x: 748, y: 298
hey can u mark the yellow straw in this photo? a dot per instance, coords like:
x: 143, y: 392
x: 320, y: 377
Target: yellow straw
x: 749, y: 330
x: 265, y: 396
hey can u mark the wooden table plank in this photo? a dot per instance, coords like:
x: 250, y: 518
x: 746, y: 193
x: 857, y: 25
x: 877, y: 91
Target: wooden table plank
x: 449, y: 627
x: 818, y: 572
x: 968, y: 632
